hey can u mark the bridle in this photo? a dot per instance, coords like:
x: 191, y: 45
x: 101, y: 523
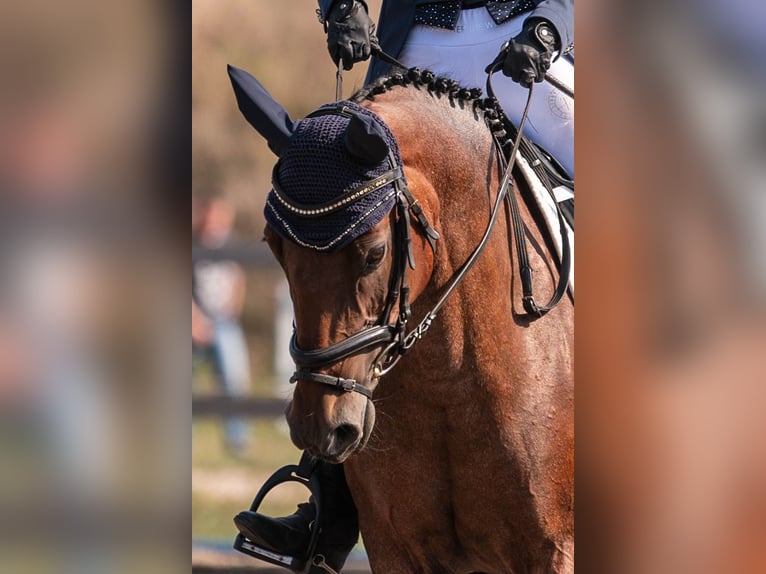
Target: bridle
x: 394, y: 338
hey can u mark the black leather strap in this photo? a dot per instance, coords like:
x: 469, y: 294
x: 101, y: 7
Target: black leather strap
x: 382, y: 56
x: 306, y: 466
x: 346, y: 385
x: 431, y: 234
x: 354, y: 344
x: 519, y: 229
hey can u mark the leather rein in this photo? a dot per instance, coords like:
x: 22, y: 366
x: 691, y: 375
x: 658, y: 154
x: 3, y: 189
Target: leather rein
x: 397, y: 340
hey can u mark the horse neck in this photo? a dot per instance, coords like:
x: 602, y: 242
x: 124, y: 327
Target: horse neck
x: 451, y: 167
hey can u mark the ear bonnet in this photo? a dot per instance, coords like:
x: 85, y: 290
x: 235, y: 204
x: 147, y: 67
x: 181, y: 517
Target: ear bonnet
x: 334, y: 180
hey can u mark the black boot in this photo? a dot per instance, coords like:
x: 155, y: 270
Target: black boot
x: 291, y: 535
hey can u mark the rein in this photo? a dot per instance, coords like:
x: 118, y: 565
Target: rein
x: 519, y: 229
x: 395, y: 336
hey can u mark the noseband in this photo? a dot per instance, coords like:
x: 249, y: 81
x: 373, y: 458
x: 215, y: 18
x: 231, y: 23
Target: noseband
x: 392, y: 337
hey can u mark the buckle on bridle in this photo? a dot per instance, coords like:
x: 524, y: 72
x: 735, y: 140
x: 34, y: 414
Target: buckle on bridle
x: 347, y: 385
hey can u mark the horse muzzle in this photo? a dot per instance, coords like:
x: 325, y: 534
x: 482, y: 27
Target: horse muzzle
x: 329, y: 426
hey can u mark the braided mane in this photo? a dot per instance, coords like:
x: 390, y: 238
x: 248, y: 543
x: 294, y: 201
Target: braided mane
x: 439, y: 86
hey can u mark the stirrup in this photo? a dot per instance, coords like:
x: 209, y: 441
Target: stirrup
x: 302, y: 474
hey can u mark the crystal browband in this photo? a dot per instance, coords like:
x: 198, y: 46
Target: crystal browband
x: 331, y: 244
x: 319, y: 210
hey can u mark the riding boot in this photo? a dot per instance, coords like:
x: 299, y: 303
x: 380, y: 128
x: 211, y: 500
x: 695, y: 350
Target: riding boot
x: 291, y: 535
x: 340, y: 522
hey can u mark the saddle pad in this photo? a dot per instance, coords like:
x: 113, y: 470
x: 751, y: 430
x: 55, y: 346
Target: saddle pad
x: 548, y: 209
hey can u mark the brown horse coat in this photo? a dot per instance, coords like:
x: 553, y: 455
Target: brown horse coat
x: 469, y: 465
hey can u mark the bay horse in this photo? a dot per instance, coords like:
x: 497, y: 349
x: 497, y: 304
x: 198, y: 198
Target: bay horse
x: 462, y: 461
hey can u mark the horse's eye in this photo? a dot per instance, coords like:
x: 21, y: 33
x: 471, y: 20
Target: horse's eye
x: 374, y: 257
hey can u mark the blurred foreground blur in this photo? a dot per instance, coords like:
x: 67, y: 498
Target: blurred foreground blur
x: 671, y: 322
x: 94, y: 372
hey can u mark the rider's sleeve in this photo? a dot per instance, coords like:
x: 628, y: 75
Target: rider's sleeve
x: 560, y: 13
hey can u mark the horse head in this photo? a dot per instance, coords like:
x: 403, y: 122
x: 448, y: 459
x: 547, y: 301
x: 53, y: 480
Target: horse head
x: 338, y: 222
x: 335, y: 295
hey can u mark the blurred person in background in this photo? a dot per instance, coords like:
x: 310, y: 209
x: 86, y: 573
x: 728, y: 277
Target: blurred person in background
x: 92, y: 441
x: 59, y: 332
x: 456, y: 39
x: 218, y: 293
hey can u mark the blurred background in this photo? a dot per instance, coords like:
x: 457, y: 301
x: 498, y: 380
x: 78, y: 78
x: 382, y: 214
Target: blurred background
x: 241, y: 312
x: 94, y: 369
x: 670, y: 324
x: 97, y: 436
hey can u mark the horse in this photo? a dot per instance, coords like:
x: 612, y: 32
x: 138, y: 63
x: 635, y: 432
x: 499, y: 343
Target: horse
x: 459, y: 456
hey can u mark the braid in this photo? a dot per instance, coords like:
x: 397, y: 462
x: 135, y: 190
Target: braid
x: 488, y: 108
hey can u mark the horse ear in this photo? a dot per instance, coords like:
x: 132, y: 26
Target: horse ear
x: 261, y: 110
x: 365, y: 140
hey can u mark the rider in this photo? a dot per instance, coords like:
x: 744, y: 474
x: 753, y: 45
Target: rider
x: 456, y: 39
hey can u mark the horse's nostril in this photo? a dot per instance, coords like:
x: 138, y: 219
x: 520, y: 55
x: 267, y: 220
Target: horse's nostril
x: 347, y: 434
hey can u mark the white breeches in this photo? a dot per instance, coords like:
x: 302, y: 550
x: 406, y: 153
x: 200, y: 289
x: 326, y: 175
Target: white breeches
x: 463, y: 53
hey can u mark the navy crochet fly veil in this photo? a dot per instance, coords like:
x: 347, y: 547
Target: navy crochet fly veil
x: 334, y: 180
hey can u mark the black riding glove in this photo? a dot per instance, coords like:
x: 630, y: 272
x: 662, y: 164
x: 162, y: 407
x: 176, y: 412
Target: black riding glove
x: 348, y: 32
x: 530, y: 52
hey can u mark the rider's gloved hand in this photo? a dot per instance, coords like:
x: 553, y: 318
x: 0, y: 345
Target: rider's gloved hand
x: 349, y: 29
x: 530, y: 53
